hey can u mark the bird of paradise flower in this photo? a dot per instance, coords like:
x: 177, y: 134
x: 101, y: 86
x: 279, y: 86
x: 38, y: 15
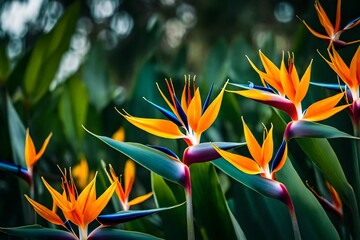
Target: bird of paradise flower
x: 81, y: 209
x: 123, y: 193
x: 264, y: 164
x: 283, y: 89
x: 31, y: 158
x: 333, y: 32
x: 188, y: 118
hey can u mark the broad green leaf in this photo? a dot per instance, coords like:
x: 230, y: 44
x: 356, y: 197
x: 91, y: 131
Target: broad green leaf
x: 321, y: 153
x: 249, y: 205
x: 125, y: 216
x: 307, y: 129
x: 96, y: 77
x: 257, y: 183
x: 150, y: 158
x: 73, y: 106
x: 313, y: 221
x: 16, y: 133
x: 211, y: 211
x: 47, y: 54
x: 173, y: 221
x: 111, y: 233
x: 38, y: 232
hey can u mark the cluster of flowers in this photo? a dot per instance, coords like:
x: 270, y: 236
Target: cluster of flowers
x: 187, y: 118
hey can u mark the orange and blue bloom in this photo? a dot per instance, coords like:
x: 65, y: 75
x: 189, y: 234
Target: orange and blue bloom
x: 123, y: 193
x: 261, y: 155
x: 333, y: 32
x: 284, y: 89
x: 188, y: 117
x: 350, y: 75
x: 81, y: 209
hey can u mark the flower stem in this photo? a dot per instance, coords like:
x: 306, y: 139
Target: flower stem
x: 189, y: 206
x: 83, y: 232
x: 290, y: 205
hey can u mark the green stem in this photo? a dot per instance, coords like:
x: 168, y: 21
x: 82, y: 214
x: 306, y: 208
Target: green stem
x: 287, y: 200
x: 189, y: 206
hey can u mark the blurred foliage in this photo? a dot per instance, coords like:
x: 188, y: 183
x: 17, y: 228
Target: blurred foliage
x: 75, y: 61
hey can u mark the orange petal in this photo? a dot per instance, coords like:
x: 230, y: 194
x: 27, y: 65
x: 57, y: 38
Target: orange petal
x: 355, y: 69
x: 87, y: 196
x: 269, y: 66
x: 129, y: 177
x: 119, y: 135
x: 244, y: 164
x: 211, y: 113
x: 45, y: 212
x: 159, y: 127
x: 338, y: 16
x: 267, y: 149
x: 313, y: 32
x: 252, y: 143
x: 30, y: 152
x: 254, y: 94
x: 186, y: 90
x: 303, y: 86
x: 286, y: 81
x: 140, y: 199
x: 324, y: 109
x: 95, y: 208
x: 42, y: 150
x: 194, y: 110
x: 60, y: 200
x: 324, y: 20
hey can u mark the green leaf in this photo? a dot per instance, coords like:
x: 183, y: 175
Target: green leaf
x: 73, y: 106
x: 125, y: 216
x: 173, y: 221
x: 211, y: 211
x: 16, y: 132
x: 47, y: 54
x: 313, y: 220
x: 38, y: 232
x: 111, y: 233
x: 321, y: 153
x: 96, y: 77
x: 150, y: 158
x: 307, y: 129
x: 257, y: 183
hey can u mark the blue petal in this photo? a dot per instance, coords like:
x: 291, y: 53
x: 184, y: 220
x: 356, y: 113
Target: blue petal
x: 126, y: 216
x: 207, y: 101
x: 16, y: 169
x: 351, y: 23
x: 171, y: 116
x: 181, y: 112
x: 335, y: 87
x: 165, y: 150
x: 252, y: 86
x: 278, y: 156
